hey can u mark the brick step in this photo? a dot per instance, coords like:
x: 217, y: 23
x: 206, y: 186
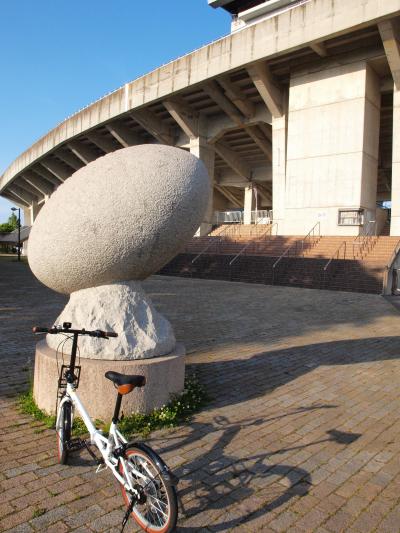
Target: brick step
x: 317, y: 284
x: 277, y: 253
x: 302, y: 272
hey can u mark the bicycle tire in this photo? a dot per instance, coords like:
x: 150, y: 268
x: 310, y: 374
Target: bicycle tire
x: 64, y: 429
x: 147, y: 515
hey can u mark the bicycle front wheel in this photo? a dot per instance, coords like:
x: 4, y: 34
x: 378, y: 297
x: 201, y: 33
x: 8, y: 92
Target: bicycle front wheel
x: 64, y: 428
x: 158, y: 510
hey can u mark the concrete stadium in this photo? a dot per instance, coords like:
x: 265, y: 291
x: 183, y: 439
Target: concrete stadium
x: 295, y: 114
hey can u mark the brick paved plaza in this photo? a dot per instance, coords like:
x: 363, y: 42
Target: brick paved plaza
x: 302, y: 434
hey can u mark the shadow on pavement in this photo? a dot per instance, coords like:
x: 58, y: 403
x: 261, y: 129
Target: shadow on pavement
x: 233, y: 380
x: 230, y: 483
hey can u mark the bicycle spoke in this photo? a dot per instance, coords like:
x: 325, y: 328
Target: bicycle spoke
x: 155, y: 512
x: 156, y: 516
x: 158, y: 508
x: 143, y: 465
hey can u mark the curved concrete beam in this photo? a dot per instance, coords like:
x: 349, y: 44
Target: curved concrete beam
x: 269, y: 38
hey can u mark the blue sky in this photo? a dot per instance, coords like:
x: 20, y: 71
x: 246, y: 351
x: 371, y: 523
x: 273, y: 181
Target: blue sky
x: 60, y: 55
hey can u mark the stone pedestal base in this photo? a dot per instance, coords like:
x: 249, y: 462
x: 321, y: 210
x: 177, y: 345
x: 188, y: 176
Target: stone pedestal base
x: 164, y: 376
x: 123, y: 307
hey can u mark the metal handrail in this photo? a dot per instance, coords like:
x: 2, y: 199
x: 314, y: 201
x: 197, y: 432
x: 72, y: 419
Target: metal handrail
x: 269, y: 230
x: 295, y: 245
x: 343, y: 243
x: 228, y: 217
x: 259, y: 214
x: 284, y: 253
x: 389, y: 265
x: 365, y: 230
x: 393, y: 256
x: 218, y: 238
x: 308, y: 236
x: 233, y: 229
x: 335, y: 255
x: 365, y: 237
x: 211, y: 243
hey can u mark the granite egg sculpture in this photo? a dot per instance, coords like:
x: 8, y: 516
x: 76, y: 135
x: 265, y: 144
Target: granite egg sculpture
x: 120, y: 218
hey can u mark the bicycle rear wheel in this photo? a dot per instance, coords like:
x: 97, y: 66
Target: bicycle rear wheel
x: 64, y: 428
x: 158, y: 511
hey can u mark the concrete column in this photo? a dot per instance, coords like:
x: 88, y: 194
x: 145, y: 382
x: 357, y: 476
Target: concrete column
x: 332, y: 149
x: 33, y: 213
x: 395, y: 220
x: 27, y: 216
x: 201, y: 149
x: 248, y: 203
x: 279, y: 141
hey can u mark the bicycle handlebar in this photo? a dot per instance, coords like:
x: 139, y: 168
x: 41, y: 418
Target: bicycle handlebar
x: 62, y: 329
x: 38, y: 329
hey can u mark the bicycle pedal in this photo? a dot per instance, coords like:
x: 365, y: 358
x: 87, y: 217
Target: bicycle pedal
x: 75, y: 445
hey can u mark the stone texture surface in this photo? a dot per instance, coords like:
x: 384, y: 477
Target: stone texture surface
x: 121, y: 217
x: 164, y: 376
x: 302, y: 434
x: 123, y: 308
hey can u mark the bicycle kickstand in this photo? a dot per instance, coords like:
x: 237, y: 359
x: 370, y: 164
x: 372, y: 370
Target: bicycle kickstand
x: 128, y: 512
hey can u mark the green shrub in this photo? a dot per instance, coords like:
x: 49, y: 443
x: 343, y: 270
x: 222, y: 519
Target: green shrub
x: 177, y: 411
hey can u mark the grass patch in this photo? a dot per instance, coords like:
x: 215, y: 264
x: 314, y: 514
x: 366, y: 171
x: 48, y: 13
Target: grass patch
x: 27, y: 405
x: 38, y: 512
x: 177, y: 411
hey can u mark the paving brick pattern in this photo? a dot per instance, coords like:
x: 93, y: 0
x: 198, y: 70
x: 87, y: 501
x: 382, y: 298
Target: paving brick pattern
x: 302, y: 433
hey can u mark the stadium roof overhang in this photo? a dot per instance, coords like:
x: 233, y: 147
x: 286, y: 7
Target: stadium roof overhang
x: 238, y: 6
x: 223, y: 85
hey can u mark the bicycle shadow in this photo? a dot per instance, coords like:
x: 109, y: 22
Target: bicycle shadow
x: 206, y: 428
x: 81, y: 458
x: 231, y: 488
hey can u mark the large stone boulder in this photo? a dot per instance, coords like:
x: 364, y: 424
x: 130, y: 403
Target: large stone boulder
x: 120, y: 218
x: 122, y: 307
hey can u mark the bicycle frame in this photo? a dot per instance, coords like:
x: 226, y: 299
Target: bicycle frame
x: 135, y: 465
x: 106, y: 446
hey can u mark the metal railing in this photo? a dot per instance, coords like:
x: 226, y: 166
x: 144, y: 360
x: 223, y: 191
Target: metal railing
x: 335, y: 255
x: 260, y: 216
x: 297, y: 248
x: 365, y: 239
x: 389, y: 266
x: 312, y: 234
x: 216, y: 240
x: 228, y: 217
x: 263, y: 216
x: 268, y: 231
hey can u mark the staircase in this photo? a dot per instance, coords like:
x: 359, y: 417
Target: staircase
x: 356, y: 268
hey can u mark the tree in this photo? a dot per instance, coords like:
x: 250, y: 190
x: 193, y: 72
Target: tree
x: 10, y: 225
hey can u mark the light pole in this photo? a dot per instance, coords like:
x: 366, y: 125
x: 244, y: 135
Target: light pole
x: 19, y: 230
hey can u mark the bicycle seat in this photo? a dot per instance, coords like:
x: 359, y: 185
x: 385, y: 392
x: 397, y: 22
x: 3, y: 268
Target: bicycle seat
x: 125, y: 379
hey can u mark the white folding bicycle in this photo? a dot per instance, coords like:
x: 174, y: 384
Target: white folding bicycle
x: 147, y: 484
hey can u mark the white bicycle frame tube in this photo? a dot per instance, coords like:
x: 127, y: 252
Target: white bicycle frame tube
x: 105, y: 445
